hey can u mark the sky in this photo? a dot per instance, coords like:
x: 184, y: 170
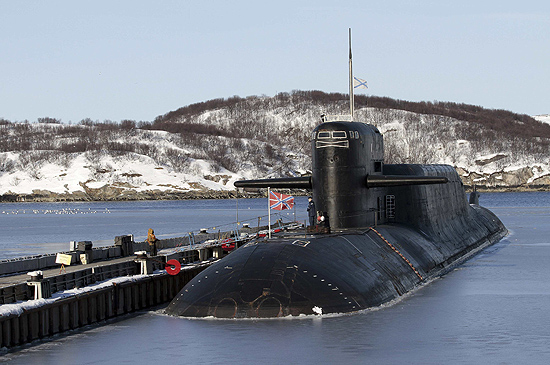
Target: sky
x: 119, y: 59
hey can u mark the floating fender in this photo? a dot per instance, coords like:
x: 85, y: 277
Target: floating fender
x: 173, y: 267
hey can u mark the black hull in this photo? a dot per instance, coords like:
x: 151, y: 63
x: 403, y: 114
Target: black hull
x: 337, y: 273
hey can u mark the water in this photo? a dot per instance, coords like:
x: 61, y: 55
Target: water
x: 492, y: 310
x: 37, y: 228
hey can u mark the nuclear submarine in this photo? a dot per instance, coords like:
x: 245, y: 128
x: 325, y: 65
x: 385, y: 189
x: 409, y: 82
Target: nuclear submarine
x: 389, y: 229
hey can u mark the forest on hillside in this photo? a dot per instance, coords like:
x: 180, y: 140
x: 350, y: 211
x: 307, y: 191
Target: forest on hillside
x: 270, y: 135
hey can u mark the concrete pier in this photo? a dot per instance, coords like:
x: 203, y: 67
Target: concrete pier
x: 91, y: 307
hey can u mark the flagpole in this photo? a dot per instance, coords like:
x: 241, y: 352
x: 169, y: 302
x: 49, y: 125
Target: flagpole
x: 268, y: 213
x: 237, y: 201
x: 351, y: 101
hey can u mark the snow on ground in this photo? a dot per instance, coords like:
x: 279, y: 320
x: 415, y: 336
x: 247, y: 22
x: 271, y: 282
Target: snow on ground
x: 405, y: 134
x: 459, y: 154
x: 545, y: 118
x: 137, y: 172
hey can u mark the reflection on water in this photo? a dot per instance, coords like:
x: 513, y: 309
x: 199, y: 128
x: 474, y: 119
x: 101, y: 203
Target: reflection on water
x: 493, y: 309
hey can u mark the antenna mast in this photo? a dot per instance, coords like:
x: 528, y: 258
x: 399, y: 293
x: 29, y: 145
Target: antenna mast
x: 351, y: 101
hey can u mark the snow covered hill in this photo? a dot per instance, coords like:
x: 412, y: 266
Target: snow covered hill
x: 110, y: 175
x: 200, y: 150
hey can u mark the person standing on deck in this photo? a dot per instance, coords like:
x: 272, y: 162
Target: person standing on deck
x: 152, y: 241
x: 311, y: 212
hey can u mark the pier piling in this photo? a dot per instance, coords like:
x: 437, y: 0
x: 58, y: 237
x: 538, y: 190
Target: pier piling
x: 61, y: 315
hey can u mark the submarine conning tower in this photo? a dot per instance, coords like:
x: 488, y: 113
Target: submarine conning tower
x: 347, y: 174
x: 344, y: 155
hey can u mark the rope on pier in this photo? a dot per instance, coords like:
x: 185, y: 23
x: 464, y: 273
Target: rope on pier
x: 397, y: 251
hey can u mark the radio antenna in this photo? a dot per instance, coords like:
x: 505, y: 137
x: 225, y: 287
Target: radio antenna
x: 351, y: 101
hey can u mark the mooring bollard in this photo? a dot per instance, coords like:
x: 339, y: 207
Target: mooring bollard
x: 41, y: 287
x: 84, y: 248
x: 126, y: 244
x: 217, y: 252
x: 145, y: 264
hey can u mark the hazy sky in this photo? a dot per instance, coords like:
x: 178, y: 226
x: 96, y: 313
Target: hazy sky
x: 121, y: 59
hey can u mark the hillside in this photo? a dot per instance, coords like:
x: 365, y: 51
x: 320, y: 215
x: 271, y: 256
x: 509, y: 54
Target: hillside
x: 201, y: 149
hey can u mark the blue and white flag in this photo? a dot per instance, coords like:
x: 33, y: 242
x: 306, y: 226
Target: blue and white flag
x: 359, y: 83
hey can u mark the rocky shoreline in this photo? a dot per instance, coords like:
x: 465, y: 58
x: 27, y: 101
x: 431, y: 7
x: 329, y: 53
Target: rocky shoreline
x: 109, y: 193
x: 127, y: 195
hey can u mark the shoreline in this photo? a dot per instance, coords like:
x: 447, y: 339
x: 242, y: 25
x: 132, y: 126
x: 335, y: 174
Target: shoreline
x: 129, y: 195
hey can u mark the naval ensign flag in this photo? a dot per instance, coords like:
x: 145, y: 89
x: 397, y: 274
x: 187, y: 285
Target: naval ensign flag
x: 280, y: 201
x: 359, y: 83
x: 277, y: 201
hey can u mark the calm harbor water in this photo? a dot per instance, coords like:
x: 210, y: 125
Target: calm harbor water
x: 493, y: 309
x: 37, y: 228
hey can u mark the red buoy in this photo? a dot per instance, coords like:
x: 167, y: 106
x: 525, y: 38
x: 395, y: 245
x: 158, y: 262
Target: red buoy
x: 173, y: 267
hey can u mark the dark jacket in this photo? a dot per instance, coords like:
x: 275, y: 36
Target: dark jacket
x: 311, y: 209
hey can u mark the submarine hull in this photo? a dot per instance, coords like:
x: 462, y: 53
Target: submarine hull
x: 336, y: 273
x: 390, y: 235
